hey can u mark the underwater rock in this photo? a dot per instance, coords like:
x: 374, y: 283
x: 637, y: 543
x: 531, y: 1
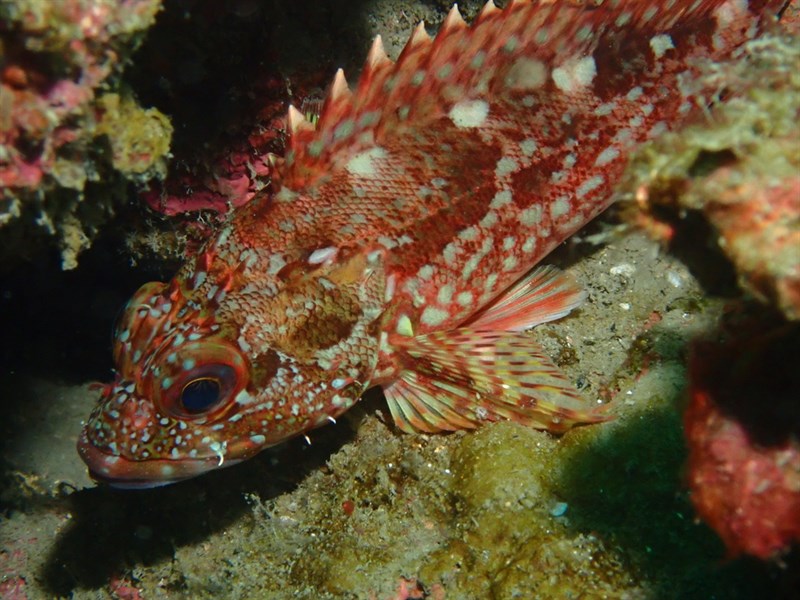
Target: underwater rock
x: 742, y: 427
x: 57, y: 176
x: 737, y: 172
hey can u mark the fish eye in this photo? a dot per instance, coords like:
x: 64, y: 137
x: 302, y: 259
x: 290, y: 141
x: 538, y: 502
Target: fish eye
x: 200, y: 394
x: 203, y: 388
x: 199, y: 381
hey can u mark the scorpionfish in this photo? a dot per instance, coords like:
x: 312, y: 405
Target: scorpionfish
x: 398, y: 244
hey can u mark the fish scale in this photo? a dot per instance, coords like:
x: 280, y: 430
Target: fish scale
x: 396, y: 243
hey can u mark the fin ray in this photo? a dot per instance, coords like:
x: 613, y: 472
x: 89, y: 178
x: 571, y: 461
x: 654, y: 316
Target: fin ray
x: 462, y: 378
x: 433, y: 74
x: 545, y: 294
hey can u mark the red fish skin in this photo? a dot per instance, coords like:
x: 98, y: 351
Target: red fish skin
x: 417, y: 199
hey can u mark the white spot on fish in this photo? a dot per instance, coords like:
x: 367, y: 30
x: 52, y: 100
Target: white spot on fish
x: 589, y: 185
x: 450, y: 253
x: 575, y: 74
x: 469, y: 113
x: 531, y: 216
x: 528, y: 146
x: 505, y: 166
x: 321, y: 255
x: 530, y: 244
x: 501, y: 198
x: 465, y: 298
x: 606, y: 156
x: 404, y: 326
x: 605, y: 109
x: 526, y: 74
x: 560, y: 207
x: 659, y: 44
x: 469, y: 234
x: 489, y: 220
x: 243, y: 398
x: 445, y: 295
x: 634, y: 94
x: 338, y: 383
x: 657, y: 129
x: 391, y: 284
x: 276, y: 263
x: 433, y: 316
x: 425, y: 272
x: 363, y: 163
x: 285, y: 195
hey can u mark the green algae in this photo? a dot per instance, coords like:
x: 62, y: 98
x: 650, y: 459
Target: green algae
x: 510, y: 544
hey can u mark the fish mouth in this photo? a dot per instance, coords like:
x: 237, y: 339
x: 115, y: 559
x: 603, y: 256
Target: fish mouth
x: 122, y: 473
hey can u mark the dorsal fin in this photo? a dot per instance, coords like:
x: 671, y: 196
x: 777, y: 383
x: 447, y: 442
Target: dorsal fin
x: 297, y: 122
x: 525, y: 45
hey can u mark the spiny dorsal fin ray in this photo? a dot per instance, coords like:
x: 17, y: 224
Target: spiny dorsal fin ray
x: 297, y: 121
x: 505, y: 53
x: 376, y: 57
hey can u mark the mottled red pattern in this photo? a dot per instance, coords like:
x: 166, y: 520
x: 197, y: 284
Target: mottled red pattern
x: 395, y: 234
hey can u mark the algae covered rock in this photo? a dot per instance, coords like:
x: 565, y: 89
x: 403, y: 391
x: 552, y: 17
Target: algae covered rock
x: 737, y: 170
x: 58, y: 183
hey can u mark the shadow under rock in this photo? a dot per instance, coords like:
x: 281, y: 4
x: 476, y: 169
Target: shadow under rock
x: 627, y: 488
x: 114, y: 530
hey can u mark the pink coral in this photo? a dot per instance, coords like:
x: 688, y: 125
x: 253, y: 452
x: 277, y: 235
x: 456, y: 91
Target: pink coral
x: 243, y: 166
x: 742, y: 428
x: 54, y: 130
x: 43, y: 105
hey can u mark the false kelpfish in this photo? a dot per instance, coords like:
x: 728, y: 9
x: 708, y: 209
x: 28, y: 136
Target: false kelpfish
x: 397, y: 243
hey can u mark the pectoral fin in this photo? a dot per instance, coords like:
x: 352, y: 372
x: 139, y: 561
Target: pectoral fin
x: 489, y: 369
x: 462, y: 378
x: 545, y: 294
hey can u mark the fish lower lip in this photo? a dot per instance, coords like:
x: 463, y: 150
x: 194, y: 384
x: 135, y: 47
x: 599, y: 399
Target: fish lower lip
x: 129, y: 484
x: 123, y: 473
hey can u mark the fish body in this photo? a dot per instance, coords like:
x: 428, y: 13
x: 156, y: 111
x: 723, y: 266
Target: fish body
x: 396, y: 246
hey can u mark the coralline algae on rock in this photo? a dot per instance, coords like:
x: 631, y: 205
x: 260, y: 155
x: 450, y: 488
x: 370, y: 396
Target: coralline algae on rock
x: 738, y: 170
x: 56, y: 126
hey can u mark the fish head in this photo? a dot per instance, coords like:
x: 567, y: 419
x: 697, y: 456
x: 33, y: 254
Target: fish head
x: 209, y: 376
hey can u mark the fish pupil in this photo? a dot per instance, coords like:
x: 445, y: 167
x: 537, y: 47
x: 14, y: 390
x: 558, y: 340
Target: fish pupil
x: 200, y: 394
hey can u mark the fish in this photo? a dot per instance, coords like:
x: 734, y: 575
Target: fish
x: 399, y: 243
